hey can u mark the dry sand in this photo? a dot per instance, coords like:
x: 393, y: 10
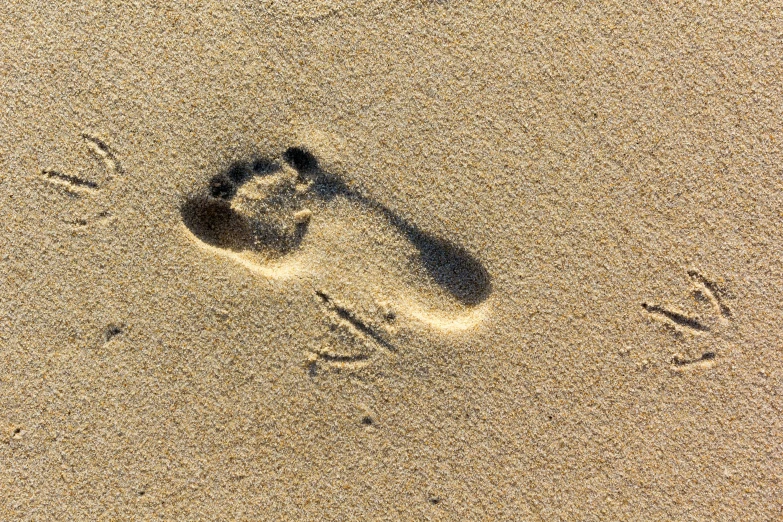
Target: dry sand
x: 404, y: 260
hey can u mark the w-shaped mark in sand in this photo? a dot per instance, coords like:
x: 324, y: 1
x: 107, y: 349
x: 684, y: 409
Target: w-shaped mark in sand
x: 289, y: 218
x: 707, y: 293
x: 77, y: 186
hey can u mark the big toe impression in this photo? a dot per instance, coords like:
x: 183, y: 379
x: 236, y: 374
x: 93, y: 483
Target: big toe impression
x: 214, y: 222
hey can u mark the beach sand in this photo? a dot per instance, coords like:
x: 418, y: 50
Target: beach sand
x: 391, y: 260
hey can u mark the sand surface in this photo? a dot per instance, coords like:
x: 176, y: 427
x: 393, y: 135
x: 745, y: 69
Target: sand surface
x: 391, y: 260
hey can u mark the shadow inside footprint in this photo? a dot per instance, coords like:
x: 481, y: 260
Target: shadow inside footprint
x: 213, y: 221
x: 453, y: 268
x: 227, y: 218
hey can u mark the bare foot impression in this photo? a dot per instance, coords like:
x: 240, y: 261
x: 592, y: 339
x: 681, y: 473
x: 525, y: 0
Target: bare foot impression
x: 292, y: 218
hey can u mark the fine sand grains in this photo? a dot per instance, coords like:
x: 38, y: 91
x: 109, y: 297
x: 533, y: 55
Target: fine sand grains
x: 418, y: 260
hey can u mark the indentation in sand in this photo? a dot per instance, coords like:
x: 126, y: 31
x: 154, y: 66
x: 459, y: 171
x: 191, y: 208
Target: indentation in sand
x: 707, y: 326
x: 87, y: 184
x: 293, y: 218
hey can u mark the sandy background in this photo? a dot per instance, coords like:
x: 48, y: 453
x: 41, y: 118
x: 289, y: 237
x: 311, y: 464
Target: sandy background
x: 592, y: 159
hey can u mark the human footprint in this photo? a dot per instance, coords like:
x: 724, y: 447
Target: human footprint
x: 262, y: 212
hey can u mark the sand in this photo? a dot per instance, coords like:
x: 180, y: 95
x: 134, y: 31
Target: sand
x: 391, y: 260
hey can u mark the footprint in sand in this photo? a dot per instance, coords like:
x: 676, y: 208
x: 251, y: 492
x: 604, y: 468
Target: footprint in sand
x: 367, y: 265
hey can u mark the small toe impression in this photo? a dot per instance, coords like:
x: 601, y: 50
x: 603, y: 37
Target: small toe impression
x: 301, y: 160
x: 239, y: 172
x: 225, y: 184
x: 222, y: 187
x: 264, y: 167
x: 325, y: 186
